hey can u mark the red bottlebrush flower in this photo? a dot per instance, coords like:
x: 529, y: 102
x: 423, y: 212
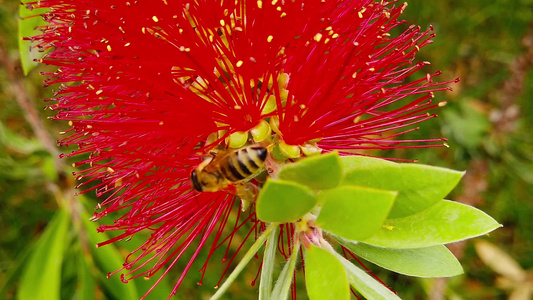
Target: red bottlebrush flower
x: 150, y: 86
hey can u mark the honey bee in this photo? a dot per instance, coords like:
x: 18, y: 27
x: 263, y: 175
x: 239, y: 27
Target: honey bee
x: 228, y: 167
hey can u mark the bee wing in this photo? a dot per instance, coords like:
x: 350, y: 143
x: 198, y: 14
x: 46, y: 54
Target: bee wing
x: 212, y: 162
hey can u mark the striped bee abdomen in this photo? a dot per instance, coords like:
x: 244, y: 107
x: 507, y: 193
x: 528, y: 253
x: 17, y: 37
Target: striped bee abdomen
x: 243, y: 163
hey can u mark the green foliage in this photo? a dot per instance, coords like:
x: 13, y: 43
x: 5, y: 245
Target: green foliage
x: 324, y: 276
x: 434, y: 261
x: 408, y: 240
x: 269, y: 260
x: 368, y: 287
x: 284, y: 201
x: 283, y: 284
x: 445, y: 222
x: 418, y: 186
x: 41, y: 278
x: 28, y: 27
x: 270, y: 231
x: 467, y: 126
x: 354, y: 212
x: 108, y: 260
x: 319, y: 172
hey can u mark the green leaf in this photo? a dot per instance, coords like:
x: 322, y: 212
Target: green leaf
x: 365, y: 284
x: 284, y: 201
x: 17, y: 142
x: 467, y: 124
x: 356, y: 161
x: 86, y: 284
x: 30, y: 20
x: 282, y: 287
x: 267, y: 270
x: 352, y: 212
x: 443, y: 223
x: 13, y: 273
x: 244, y: 261
x: 317, y: 172
x: 108, y: 259
x: 435, y: 261
x: 41, y: 278
x: 419, y: 186
x: 324, y: 276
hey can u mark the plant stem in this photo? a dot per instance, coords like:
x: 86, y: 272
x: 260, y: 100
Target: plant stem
x: 244, y: 261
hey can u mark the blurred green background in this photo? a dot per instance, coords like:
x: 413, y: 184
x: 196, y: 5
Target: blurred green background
x: 488, y: 121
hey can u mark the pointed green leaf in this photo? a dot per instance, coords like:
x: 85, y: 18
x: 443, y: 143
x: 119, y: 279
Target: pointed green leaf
x: 443, y: 223
x: 41, y: 278
x: 419, y: 186
x: 267, y: 269
x: 365, y: 284
x: 108, y: 259
x: 244, y: 261
x: 317, y: 172
x: 352, y: 212
x: 435, y: 261
x: 28, y: 24
x: 284, y: 201
x: 324, y: 276
x: 86, y: 284
x: 283, y: 284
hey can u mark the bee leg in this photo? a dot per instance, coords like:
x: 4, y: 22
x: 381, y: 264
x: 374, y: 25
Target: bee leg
x: 248, y: 193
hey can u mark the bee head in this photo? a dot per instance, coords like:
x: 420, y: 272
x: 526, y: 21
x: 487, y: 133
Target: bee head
x: 194, y: 181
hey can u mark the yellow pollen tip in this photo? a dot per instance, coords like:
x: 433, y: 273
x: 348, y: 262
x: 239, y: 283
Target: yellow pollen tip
x: 442, y: 103
x: 239, y: 63
x: 108, y: 47
x: 155, y: 19
x: 318, y: 37
x: 270, y: 38
x: 260, y: 4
